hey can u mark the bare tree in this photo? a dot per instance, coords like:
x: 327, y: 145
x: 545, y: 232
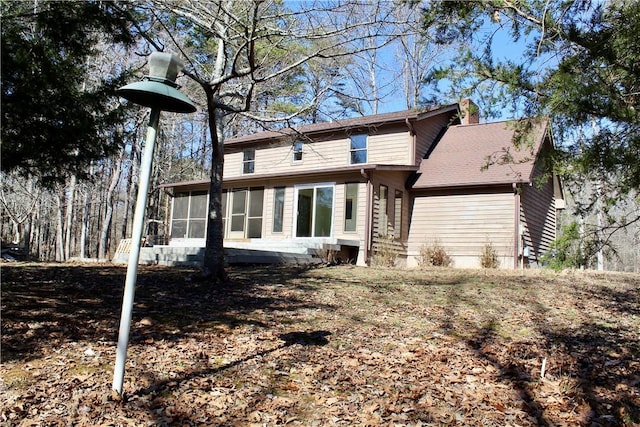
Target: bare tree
x: 70, y: 196
x: 239, y: 49
x: 116, y: 171
x: 19, y: 200
x: 416, y: 55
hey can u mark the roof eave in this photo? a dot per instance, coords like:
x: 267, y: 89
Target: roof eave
x: 384, y: 119
x: 470, y: 185
x: 302, y: 173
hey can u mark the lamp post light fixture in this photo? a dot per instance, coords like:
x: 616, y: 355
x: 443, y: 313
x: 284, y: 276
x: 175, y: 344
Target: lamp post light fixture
x: 159, y: 92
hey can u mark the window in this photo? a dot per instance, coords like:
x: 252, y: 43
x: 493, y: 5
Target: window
x: 238, y: 212
x: 350, y: 206
x: 397, y: 215
x: 189, y: 219
x: 278, y: 209
x: 225, y: 195
x: 358, y: 150
x: 297, y: 151
x: 254, y: 217
x: 248, y: 160
x: 314, y: 211
x: 245, y: 210
x: 383, y: 211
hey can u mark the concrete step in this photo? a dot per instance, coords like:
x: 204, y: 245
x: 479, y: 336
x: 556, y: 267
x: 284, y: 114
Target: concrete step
x: 184, y: 256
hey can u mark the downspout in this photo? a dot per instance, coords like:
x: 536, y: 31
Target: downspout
x: 367, y: 218
x: 516, y: 222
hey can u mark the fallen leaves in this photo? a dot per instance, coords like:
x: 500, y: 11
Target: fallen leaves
x: 321, y: 347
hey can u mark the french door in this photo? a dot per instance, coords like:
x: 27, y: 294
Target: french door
x: 314, y: 214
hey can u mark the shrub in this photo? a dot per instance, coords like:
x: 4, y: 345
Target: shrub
x: 385, y: 253
x: 434, y: 255
x: 489, y: 257
x: 568, y: 250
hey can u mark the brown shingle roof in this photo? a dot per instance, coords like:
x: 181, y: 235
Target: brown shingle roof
x: 344, y: 124
x: 481, y: 154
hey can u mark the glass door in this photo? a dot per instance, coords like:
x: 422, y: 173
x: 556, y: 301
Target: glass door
x: 238, y: 213
x: 314, y: 211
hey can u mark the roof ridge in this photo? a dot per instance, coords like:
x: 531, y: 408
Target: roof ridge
x: 541, y: 119
x: 370, y: 120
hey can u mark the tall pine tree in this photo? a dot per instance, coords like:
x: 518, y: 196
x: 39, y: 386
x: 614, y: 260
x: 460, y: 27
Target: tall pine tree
x: 53, y: 122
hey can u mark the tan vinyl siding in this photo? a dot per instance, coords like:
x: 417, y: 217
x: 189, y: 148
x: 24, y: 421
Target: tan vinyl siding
x: 538, y: 218
x: 390, y: 148
x: 278, y: 158
x: 463, y: 224
x: 426, y: 133
x: 393, y: 182
x: 232, y: 164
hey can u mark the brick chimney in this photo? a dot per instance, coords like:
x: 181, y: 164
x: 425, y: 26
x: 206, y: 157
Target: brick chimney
x: 469, y: 112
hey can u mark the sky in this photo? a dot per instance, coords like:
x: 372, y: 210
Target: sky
x: 503, y: 48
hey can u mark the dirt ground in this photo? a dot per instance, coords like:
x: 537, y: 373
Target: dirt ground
x: 321, y: 346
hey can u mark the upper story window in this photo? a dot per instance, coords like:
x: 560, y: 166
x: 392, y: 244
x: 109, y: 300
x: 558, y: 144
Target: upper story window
x: 248, y: 160
x: 358, y: 150
x: 297, y: 151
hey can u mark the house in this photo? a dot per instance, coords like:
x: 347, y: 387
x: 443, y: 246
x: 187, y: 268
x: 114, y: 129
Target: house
x: 405, y: 179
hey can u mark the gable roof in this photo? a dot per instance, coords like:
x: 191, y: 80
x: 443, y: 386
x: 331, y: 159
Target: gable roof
x: 481, y: 154
x: 345, y: 124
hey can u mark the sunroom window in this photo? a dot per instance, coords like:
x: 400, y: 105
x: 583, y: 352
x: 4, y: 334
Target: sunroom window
x: 189, y: 219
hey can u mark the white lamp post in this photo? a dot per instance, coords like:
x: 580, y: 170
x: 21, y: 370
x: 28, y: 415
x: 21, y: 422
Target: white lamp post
x: 159, y: 92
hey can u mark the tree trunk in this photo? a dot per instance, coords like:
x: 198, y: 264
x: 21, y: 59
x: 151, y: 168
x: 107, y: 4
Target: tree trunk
x: 27, y: 237
x: 213, y: 267
x: 60, y: 255
x: 71, y: 194
x: 131, y: 191
x: 34, y: 248
x: 106, y: 225
x: 86, y: 210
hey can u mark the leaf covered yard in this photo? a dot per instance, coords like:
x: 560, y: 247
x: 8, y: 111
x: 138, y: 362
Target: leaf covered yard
x: 321, y: 346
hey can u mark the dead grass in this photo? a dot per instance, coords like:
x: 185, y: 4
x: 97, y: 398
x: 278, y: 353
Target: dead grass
x: 322, y: 346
